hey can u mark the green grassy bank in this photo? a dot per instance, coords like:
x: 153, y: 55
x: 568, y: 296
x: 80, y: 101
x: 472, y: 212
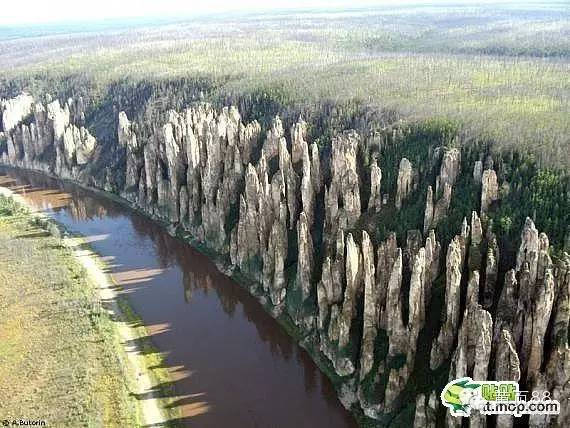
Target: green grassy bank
x: 60, y: 357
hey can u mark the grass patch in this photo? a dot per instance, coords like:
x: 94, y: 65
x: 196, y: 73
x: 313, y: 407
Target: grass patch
x: 60, y: 357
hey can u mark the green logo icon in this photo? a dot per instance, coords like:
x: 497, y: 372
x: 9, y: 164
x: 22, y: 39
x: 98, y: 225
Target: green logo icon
x: 457, y: 396
x: 488, y: 397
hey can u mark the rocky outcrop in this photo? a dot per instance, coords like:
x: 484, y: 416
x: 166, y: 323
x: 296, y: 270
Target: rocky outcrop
x: 249, y: 228
x: 528, y: 250
x: 127, y: 138
x: 428, y: 213
x: 533, y: 346
x: 478, y: 171
x: 473, y: 289
x: 305, y: 263
x: 344, y: 365
x: 342, y: 196
x: 291, y: 181
x: 404, y: 183
x: 14, y: 110
x: 441, y: 206
x: 274, y: 136
x: 298, y: 136
x: 316, y: 168
x: 491, y: 271
x: 441, y: 348
x: 371, y: 306
x: 449, y: 170
x: 436, y: 210
x: 274, y: 259
x: 471, y: 357
x: 426, y: 413
x: 507, y: 367
x: 54, y: 129
x: 286, y: 215
x: 375, y: 201
x: 329, y: 297
x: 489, y: 189
x: 476, y: 230
x: 308, y: 190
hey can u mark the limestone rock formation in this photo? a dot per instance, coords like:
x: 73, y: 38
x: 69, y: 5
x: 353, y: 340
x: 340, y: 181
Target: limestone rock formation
x: 489, y: 189
x: 403, y: 335
x: 441, y: 348
x: 375, y: 201
x: 491, y: 271
x: 404, y: 183
x: 248, y: 234
x: 428, y: 214
x: 537, y: 324
x: 394, y: 323
x: 507, y: 365
x: 471, y: 357
x: 528, y: 250
x: 387, y: 254
x: 507, y: 305
x: 292, y: 183
x: 307, y: 185
x: 14, y: 110
x: 210, y: 176
x: 248, y: 137
x: 442, y: 205
x: 53, y: 130
x: 342, y: 197
x: 344, y: 365
x: 305, y: 262
x: 329, y: 298
x: 298, y: 136
x: 316, y: 168
x: 478, y: 171
x: 476, y: 229
x: 426, y: 412
x: 450, y: 168
x: 472, y: 298
x: 371, y: 306
x: 128, y: 139
x: 273, y: 138
x: 274, y: 259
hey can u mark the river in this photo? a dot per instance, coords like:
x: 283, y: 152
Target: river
x: 230, y: 363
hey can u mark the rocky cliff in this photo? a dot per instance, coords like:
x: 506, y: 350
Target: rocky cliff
x: 299, y: 222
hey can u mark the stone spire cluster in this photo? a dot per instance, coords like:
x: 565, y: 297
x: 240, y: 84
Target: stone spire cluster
x: 290, y: 216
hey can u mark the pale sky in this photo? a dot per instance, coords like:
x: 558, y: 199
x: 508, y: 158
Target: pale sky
x: 42, y: 11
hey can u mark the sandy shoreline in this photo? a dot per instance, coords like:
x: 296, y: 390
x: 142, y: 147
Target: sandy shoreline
x: 140, y: 377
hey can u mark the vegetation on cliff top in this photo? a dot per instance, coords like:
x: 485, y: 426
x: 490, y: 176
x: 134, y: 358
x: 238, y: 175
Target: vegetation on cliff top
x: 503, y: 73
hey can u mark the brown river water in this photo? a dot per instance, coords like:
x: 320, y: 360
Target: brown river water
x: 231, y: 364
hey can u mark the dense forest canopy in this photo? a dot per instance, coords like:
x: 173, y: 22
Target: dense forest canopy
x: 501, y: 70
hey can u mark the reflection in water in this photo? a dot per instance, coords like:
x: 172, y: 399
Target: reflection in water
x: 229, y: 361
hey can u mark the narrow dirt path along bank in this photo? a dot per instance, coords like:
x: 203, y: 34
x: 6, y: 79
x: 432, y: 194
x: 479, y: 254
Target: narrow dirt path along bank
x: 61, y: 334
x: 229, y: 362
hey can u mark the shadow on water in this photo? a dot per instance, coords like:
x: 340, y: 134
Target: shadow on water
x: 229, y: 362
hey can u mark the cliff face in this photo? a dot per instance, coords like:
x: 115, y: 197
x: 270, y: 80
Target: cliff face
x: 54, y: 141
x: 362, y: 305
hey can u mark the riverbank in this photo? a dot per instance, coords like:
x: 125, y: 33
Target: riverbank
x: 90, y: 216
x: 72, y: 353
x: 223, y: 264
